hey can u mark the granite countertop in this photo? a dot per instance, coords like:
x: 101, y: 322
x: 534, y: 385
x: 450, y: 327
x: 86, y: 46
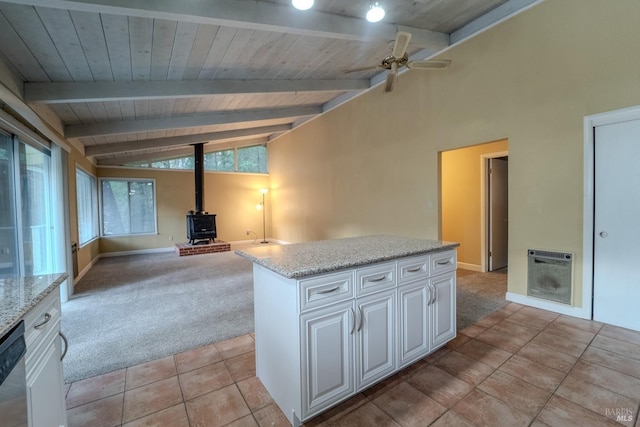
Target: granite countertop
x: 20, y: 294
x: 305, y: 259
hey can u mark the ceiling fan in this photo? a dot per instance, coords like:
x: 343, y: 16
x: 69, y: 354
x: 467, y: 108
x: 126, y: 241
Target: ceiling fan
x: 399, y: 58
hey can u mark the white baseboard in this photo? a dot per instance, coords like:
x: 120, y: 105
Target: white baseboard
x: 136, y: 252
x: 548, y: 305
x: 472, y: 267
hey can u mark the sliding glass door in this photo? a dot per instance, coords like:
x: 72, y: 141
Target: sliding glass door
x: 26, y: 228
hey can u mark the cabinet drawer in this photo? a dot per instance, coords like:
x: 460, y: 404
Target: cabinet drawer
x: 442, y: 262
x: 375, y: 278
x: 326, y: 289
x: 413, y: 268
x: 41, y: 321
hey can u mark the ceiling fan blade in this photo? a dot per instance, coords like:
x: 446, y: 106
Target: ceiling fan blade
x: 355, y: 70
x: 439, y: 64
x: 402, y: 43
x: 391, y: 78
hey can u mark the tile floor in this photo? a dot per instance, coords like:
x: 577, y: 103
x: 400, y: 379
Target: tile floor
x: 518, y: 366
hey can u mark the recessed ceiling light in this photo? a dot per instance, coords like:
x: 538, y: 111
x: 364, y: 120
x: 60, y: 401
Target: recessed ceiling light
x: 302, y: 4
x: 375, y: 13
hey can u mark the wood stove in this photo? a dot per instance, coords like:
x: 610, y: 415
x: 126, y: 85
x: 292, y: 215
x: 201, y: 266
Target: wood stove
x: 201, y: 225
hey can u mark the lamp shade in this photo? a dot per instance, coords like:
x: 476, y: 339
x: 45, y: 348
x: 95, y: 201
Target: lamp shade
x: 302, y: 4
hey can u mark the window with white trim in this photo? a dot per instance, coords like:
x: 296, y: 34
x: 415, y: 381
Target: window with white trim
x: 87, y: 201
x: 128, y: 206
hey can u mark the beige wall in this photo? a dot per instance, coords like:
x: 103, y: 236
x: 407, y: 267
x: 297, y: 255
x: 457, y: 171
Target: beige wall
x: 231, y: 196
x: 461, y: 198
x: 371, y: 165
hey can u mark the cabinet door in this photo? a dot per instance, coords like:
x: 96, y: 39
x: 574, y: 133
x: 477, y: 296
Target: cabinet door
x: 443, y: 308
x: 44, y: 388
x: 327, y: 356
x: 375, y: 348
x: 414, y: 321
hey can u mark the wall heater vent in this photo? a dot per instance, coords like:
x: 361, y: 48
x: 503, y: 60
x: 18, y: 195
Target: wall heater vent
x: 549, y: 275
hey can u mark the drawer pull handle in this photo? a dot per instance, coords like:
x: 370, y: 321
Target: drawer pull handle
x: 47, y: 317
x: 414, y: 269
x: 328, y: 291
x: 377, y: 279
x: 443, y: 262
x: 353, y: 318
x: 66, y: 346
x: 361, y: 318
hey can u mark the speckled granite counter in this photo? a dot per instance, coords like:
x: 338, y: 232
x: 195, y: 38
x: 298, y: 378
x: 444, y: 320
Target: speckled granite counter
x: 310, y: 258
x: 18, y: 295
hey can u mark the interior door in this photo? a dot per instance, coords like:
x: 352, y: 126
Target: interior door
x: 498, y: 213
x: 616, y: 278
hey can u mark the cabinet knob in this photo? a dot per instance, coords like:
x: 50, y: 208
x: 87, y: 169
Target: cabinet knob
x: 604, y: 234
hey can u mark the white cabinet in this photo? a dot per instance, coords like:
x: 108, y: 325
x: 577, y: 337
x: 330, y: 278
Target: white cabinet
x: 324, y: 338
x: 327, y: 335
x: 43, y: 364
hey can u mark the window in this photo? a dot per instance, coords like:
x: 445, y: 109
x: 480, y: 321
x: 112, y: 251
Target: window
x: 252, y: 159
x: 128, y: 206
x: 87, y: 200
x: 179, y: 163
x: 220, y: 161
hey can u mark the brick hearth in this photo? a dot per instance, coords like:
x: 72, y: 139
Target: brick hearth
x: 185, y: 249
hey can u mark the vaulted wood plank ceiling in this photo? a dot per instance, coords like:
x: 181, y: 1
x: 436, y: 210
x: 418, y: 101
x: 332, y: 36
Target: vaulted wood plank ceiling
x: 139, y: 79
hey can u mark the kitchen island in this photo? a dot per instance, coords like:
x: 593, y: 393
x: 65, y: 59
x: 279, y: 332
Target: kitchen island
x: 334, y: 317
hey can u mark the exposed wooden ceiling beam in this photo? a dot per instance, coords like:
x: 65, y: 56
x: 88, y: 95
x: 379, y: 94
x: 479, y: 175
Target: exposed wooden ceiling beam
x: 196, y: 120
x: 148, y: 144
x: 251, y: 15
x: 177, y: 152
x: 69, y: 92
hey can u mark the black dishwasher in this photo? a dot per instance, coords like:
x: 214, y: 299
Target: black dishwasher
x: 13, y: 381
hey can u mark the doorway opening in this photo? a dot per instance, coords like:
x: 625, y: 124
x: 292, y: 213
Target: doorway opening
x: 464, y: 191
x: 496, y: 198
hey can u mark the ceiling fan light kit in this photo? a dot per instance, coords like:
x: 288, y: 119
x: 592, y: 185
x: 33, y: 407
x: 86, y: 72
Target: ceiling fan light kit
x: 375, y: 12
x: 302, y: 4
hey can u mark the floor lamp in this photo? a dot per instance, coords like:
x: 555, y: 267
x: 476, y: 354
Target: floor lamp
x: 264, y: 221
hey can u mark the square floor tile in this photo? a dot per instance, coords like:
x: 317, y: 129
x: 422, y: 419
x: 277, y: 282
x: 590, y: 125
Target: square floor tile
x: 197, y: 358
x: 561, y: 412
x: 486, y: 410
x: 515, y: 392
x: 510, y: 328
x: 175, y: 416
x: 439, y: 385
x: 271, y: 415
x: 254, y: 393
x: 539, y: 313
x: 105, y: 412
x: 452, y: 419
x: 242, y: 367
x: 574, y: 348
x: 570, y: 332
x: 217, y: 408
x: 247, y: 421
x: 458, y: 341
x: 366, y: 415
x: 548, y: 357
x: 151, y: 398
x: 534, y: 373
x: 513, y: 307
x: 626, y: 348
x: 473, y: 330
x: 493, y: 318
x: 467, y: 369
x: 621, y: 334
x: 235, y: 346
x: 344, y: 408
x: 531, y: 322
x: 409, y: 407
x: 95, y: 388
x: 149, y: 372
x: 204, y: 380
x: 615, y: 381
x: 615, y: 361
x: 584, y: 324
x: 501, y: 340
x: 598, y: 399
x: 485, y: 353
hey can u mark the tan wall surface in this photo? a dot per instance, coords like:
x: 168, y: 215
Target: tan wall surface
x: 371, y: 165
x: 461, y: 198
x: 232, y: 197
